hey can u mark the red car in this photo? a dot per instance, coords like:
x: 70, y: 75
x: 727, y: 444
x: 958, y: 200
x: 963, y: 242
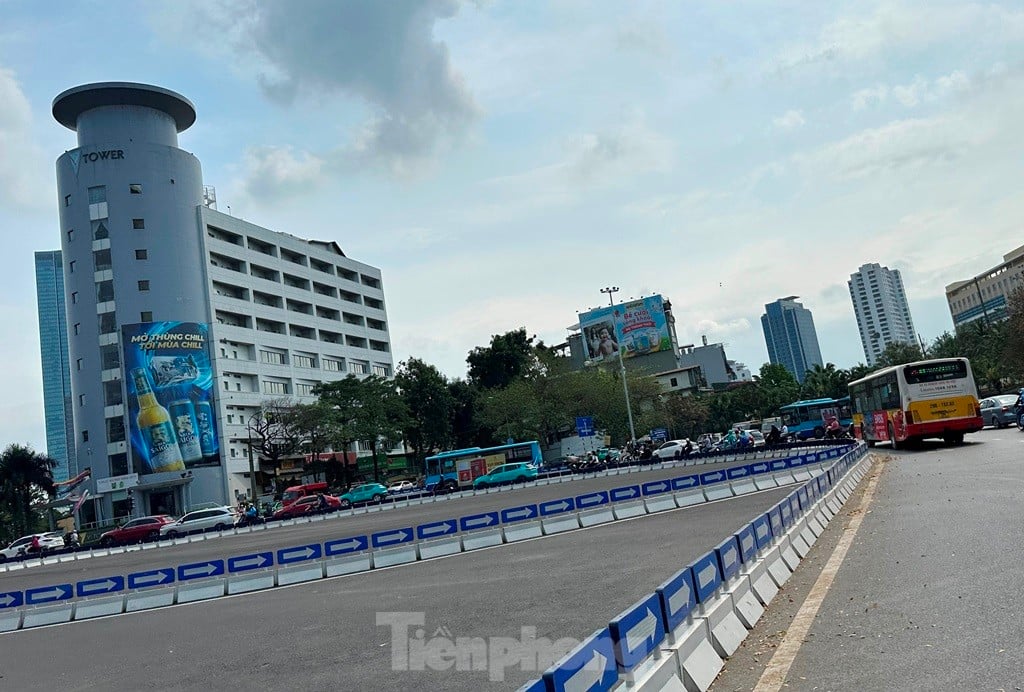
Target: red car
x: 310, y: 504
x: 136, y: 531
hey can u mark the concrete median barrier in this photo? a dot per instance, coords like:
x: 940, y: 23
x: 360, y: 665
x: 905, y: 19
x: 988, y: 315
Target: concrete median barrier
x: 484, y: 538
x: 439, y: 547
x: 251, y: 581
x: 523, y: 531
x: 99, y: 606
x: 150, y: 598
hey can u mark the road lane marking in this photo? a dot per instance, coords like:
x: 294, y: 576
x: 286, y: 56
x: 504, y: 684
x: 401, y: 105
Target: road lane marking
x: 774, y: 675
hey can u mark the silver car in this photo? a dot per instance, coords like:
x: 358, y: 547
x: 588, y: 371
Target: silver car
x: 998, y: 412
x: 218, y: 519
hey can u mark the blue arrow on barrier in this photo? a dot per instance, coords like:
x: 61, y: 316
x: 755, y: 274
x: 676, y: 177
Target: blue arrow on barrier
x: 626, y: 492
x: 514, y: 514
x: 592, y: 499
x: 780, y: 464
x: 343, y: 546
x: 739, y: 472
x: 437, y: 528
x: 637, y: 632
x: 678, y: 597
x: 478, y: 521
x: 200, y: 570
x: 48, y: 594
x: 590, y: 666
x: 759, y: 468
x: 685, y: 482
x: 244, y: 563
x: 386, y: 539
x: 95, y: 587
x: 153, y: 577
x: 300, y: 553
x: 656, y: 487
x: 712, y: 477
x: 11, y: 599
x: 706, y: 576
x: 566, y: 504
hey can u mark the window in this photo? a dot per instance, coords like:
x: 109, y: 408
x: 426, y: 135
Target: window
x: 144, y: 285
x: 359, y: 368
x: 135, y: 188
x: 71, y: 266
x: 74, y: 297
x: 104, y: 291
x: 141, y: 254
x: 67, y: 200
x: 146, y: 315
x: 71, y: 235
x: 101, y: 232
x: 78, y: 326
x: 81, y: 399
x: 112, y: 393
x: 109, y: 357
x: 85, y: 433
x: 97, y: 194
x: 380, y: 370
x: 304, y: 389
x: 334, y: 365
x: 303, y: 361
x: 674, y: 382
x: 272, y: 357
x: 270, y: 387
x: 101, y: 260
x: 115, y: 429
x: 118, y: 464
x: 107, y: 322
x: 138, y: 224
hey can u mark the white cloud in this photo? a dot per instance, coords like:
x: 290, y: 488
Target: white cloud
x: 21, y: 164
x: 272, y: 172
x: 919, y: 91
x: 790, y: 120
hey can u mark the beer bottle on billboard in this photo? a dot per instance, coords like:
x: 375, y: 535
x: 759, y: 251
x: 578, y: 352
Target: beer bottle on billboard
x: 183, y: 416
x: 206, y: 426
x: 155, y: 425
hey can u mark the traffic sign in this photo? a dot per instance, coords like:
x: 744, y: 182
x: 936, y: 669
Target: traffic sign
x: 728, y: 554
x: 801, y: 495
x: 478, y: 521
x: 656, y: 487
x: 514, y: 514
x: 779, y: 464
x: 150, y: 578
x: 585, y: 426
x: 344, y: 546
x: 787, y: 513
x: 739, y: 472
x: 659, y: 434
x: 747, y: 542
x: 244, y: 563
x: 637, y: 632
x: 762, y: 531
x: 775, y: 517
x: 794, y: 505
x: 48, y: 594
x: 678, y: 598
x: 95, y: 587
x: 685, y: 482
x: 761, y: 467
x: 592, y: 500
x: 706, y: 576
x: 436, y: 529
x: 200, y: 570
x: 566, y: 504
x: 627, y: 492
x: 386, y: 539
x: 11, y: 599
x: 590, y: 667
x: 712, y: 477
x: 300, y: 553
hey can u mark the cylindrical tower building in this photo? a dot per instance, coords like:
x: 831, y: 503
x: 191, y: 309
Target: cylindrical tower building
x: 132, y: 248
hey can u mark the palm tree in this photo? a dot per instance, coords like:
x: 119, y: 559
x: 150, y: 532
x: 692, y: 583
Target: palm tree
x: 825, y: 382
x: 23, y: 472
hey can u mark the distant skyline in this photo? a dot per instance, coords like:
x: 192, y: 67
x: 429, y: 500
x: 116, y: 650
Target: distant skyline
x: 720, y: 154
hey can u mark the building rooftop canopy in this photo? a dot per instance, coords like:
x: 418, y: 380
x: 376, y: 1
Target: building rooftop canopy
x: 70, y: 104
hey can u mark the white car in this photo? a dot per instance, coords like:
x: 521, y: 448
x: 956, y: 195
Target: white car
x: 218, y: 519
x: 673, y: 449
x: 401, y: 487
x: 53, y: 540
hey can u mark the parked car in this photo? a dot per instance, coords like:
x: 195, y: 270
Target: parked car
x: 367, y: 492
x: 757, y: 437
x: 998, y: 411
x: 401, y: 487
x: 136, y: 531
x: 310, y: 504
x: 519, y: 472
x: 22, y: 547
x: 218, y: 519
x: 673, y: 449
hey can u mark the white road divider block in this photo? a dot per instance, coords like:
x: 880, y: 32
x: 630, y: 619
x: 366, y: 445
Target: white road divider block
x: 594, y: 517
x: 719, y: 491
x: 660, y: 503
x: 658, y: 675
x: 484, y: 538
x: 789, y: 554
x: 301, y: 572
x: 100, y: 606
x: 522, y: 531
x: 727, y: 632
x: 559, y: 523
x: 777, y: 567
x: 440, y: 547
x: 47, y: 615
x: 251, y: 581
x: 201, y: 590
x: 742, y: 487
x: 761, y: 583
x: 698, y: 661
x: 10, y: 621
x: 347, y: 564
x: 150, y: 598
x: 399, y: 555
x: 806, y: 533
x: 745, y: 604
x: 691, y: 497
x: 625, y: 510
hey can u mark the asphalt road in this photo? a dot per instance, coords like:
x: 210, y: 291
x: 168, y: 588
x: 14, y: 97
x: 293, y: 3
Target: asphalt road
x: 331, y: 528
x: 929, y: 594
x: 325, y: 635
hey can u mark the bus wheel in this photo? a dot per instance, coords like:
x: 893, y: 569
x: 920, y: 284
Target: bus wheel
x: 892, y: 438
x: 953, y: 438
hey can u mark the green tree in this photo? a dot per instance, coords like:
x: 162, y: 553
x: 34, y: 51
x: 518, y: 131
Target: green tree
x: 898, y: 353
x: 513, y: 412
x: 776, y: 387
x: 430, y: 405
x: 23, y: 473
x: 509, y: 357
x: 825, y: 382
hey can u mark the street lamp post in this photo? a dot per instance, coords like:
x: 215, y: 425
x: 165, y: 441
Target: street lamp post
x: 252, y: 468
x: 622, y: 367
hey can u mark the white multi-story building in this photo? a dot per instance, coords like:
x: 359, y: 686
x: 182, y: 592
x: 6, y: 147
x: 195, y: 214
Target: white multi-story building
x: 148, y: 263
x: 986, y: 296
x: 880, y: 304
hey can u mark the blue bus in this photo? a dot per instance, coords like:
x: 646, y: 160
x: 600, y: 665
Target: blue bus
x: 460, y: 467
x: 808, y: 418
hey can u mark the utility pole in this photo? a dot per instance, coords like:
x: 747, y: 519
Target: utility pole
x: 610, y: 290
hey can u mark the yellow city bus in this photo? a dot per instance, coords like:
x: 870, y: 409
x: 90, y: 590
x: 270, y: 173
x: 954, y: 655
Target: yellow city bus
x: 904, y: 403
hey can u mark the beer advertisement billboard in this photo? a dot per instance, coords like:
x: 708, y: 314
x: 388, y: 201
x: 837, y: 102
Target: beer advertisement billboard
x: 169, y: 387
x: 638, y: 327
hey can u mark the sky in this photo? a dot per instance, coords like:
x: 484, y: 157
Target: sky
x: 503, y: 161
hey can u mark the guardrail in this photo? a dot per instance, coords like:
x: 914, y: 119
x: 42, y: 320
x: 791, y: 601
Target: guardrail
x: 677, y: 637
x: 163, y: 586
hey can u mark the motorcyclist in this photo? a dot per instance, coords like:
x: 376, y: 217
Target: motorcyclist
x: 773, y: 437
x: 834, y: 430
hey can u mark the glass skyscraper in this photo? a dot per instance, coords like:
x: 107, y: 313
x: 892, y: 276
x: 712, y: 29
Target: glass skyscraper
x: 790, y: 336
x: 53, y: 345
